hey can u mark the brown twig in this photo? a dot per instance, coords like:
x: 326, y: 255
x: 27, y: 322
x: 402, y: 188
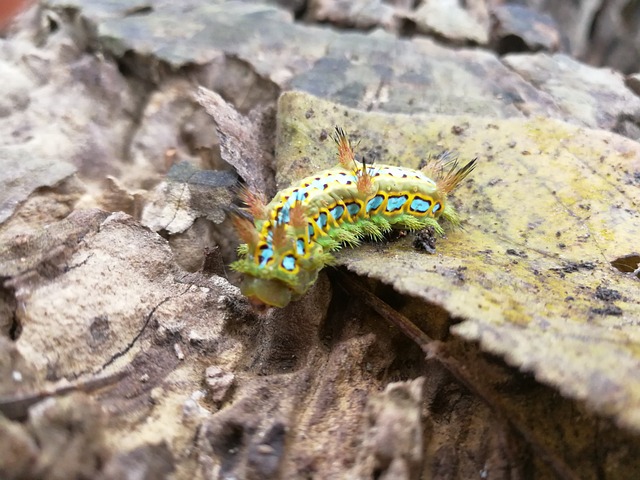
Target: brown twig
x: 16, y: 407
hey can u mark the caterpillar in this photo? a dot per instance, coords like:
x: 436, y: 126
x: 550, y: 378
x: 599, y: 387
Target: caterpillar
x: 291, y: 239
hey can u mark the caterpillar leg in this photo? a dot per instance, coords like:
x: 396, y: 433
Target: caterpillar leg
x: 450, y: 215
x: 411, y: 223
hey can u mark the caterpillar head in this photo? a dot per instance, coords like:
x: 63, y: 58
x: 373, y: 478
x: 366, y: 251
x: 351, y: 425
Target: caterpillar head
x: 274, y: 286
x: 264, y: 291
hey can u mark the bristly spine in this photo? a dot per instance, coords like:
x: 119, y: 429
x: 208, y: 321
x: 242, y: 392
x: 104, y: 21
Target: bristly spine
x: 291, y: 238
x: 446, y: 171
x: 255, y: 204
x: 346, y: 157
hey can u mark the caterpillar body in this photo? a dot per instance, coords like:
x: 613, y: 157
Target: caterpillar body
x: 291, y: 239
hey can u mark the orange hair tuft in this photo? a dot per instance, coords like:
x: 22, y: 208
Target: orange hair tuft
x: 345, y: 150
x: 246, y: 230
x: 255, y: 203
x: 446, y: 171
x: 298, y: 215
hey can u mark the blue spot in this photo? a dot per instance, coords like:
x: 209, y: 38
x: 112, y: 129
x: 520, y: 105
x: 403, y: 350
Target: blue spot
x: 311, y: 231
x: 374, y: 203
x: 436, y: 207
x: 396, y: 203
x: 337, y: 212
x: 266, y: 255
x: 353, y: 208
x: 322, y: 220
x: 302, y: 194
x: 289, y: 263
x: 297, y: 195
x: 300, y: 246
x: 283, y: 214
x: 420, y: 205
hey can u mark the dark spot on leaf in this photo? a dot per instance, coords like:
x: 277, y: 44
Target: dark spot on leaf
x: 611, y: 310
x: 572, y: 267
x: 607, y: 294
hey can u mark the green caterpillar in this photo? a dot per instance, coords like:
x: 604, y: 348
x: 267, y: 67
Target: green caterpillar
x: 291, y: 238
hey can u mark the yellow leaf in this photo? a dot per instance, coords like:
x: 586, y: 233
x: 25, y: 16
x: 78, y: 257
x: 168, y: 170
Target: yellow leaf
x: 548, y: 218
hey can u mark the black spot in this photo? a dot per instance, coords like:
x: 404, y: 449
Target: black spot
x: 607, y: 294
x: 571, y: 267
x: 611, y: 310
